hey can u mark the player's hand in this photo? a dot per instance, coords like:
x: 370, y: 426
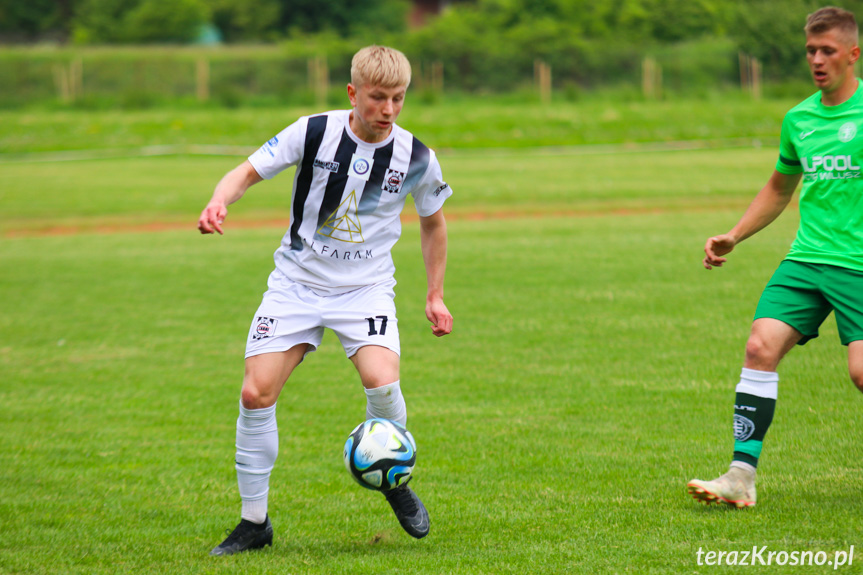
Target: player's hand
x: 715, y: 248
x: 439, y: 316
x: 212, y: 218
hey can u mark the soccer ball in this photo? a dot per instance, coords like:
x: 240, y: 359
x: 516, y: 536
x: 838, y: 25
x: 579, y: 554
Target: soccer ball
x: 380, y: 454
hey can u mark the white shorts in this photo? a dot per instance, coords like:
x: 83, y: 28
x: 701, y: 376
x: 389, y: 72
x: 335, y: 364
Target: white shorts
x: 291, y: 314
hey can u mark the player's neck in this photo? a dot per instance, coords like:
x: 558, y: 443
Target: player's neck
x: 842, y: 93
x: 366, y: 133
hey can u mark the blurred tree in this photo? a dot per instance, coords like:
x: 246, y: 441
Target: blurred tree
x: 471, y: 32
x: 247, y: 20
x: 165, y: 21
x: 773, y: 32
x: 675, y: 20
x: 100, y: 21
x: 138, y: 21
x: 345, y: 17
x: 27, y: 20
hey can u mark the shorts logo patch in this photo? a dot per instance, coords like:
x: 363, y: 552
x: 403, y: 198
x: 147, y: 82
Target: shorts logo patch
x: 441, y: 188
x: 264, y: 327
x: 743, y: 428
x: 393, y: 181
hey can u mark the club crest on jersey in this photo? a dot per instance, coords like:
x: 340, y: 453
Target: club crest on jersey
x: 393, y: 181
x: 264, y: 327
x: 360, y: 167
x: 847, y: 131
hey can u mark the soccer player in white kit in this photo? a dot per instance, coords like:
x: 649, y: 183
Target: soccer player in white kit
x: 334, y: 269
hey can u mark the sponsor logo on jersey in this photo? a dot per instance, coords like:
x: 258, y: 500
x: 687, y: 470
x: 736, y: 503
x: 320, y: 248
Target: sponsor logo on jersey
x: 393, y: 181
x: 441, y: 188
x: 264, y: 327
x: 343, y: 226
x: 847, y: 131
x: 805, y: 135
x: 331, y: 252
x: 743, y: 428
x: 360, y: 167
x: 329, y: 166
x: 270, y: 146
x: 830, y: 167
x: 344, y: 223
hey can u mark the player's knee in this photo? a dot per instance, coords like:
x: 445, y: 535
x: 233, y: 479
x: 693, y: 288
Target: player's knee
x: 857, y: 379
x: 253, y: 398
x: 759, y: 355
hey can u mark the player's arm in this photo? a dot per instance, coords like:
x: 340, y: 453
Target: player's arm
x: 433, y: 239
x: 766, y: 207
x: 229, y: 189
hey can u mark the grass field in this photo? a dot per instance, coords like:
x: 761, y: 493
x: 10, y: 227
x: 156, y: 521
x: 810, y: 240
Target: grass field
x: 458, y: 123
x: 590, y: 375
x: 129, y: 192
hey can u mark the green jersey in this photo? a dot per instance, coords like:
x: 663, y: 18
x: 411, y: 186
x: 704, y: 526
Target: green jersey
x: 825, y: 144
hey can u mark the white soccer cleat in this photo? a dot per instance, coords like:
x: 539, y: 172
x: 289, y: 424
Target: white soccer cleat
x: 736, y: 489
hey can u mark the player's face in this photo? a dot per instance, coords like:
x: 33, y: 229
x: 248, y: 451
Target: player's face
x: 831, y: 59
x: 375, y: 110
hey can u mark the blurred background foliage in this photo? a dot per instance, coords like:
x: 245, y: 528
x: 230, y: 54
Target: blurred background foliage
x: 467, y: 45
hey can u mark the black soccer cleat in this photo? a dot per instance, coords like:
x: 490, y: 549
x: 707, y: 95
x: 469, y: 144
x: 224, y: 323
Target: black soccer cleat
x: 409, y: 510
x: 245, y: 537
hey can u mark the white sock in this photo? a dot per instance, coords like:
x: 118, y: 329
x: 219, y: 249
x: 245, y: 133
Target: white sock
x: 758, y: 383
x: 257, y: 448
x: 387, y: 402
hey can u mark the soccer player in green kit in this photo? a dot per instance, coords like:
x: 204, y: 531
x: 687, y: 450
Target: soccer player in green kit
x: 822, y: 144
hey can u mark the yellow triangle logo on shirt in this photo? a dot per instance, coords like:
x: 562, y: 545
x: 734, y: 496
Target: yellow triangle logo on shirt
x: 344, y: 223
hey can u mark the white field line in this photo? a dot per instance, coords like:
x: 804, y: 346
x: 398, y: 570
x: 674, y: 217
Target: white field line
x: 117, y: 153
x: 244, y: 151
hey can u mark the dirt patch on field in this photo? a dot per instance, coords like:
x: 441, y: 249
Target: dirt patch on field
x: 166, y: 226
x: 124, y: 228
x: 107, y: 226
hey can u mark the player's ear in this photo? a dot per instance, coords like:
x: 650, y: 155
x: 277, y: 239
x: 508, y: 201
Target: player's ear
x: 352, y: 94
x: 855, y: 54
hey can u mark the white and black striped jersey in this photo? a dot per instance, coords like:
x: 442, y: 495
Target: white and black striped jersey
x: 347, y: 199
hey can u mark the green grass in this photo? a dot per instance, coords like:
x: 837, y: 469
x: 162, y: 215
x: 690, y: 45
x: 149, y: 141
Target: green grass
x: 589, y: 376
x: 455, y: 122
x: 128, y: 192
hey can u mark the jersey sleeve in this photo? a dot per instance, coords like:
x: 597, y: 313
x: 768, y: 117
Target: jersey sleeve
x: 788, y: 161
x: 280, y: 152
x: 431, y: 192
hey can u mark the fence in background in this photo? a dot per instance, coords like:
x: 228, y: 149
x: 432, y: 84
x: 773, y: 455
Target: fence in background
x: 138, y: 77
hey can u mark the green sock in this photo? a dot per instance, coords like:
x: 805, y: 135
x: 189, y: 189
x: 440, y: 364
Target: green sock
x: 754, y: 406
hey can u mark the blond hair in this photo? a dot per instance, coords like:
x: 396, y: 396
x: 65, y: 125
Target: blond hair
x: 380, y: 66
x: 832, y: 18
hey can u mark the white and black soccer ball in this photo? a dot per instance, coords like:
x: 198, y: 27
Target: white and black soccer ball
x: 380, y: 454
